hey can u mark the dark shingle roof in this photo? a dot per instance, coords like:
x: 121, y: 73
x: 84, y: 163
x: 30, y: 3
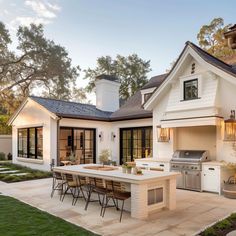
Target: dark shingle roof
x: 212, y: 60
x: 72, y: 109
x: 155, y: 81
x: 132, y: 109
x: 133, y: 106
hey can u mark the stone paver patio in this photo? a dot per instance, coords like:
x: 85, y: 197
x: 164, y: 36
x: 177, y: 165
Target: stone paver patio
x: 194, y: 211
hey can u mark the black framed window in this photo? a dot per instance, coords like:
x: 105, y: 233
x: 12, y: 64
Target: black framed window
x: 135, y: 143
x: 191, y: 89
x: 79, y: 141
x: 30, y: 142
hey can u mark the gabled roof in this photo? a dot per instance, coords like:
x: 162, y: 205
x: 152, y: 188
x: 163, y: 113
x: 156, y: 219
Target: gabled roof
x: 133, y: 106
x: 205, y: 56
x: 72, y: 109
x: 212, y: 60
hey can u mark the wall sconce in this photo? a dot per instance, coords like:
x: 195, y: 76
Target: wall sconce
x: 163, y: 134
x: 230, y: 127
x: 100, y: 135
x: 113, y: 136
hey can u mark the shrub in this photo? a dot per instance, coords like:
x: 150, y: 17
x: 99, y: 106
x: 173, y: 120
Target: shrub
x: 9, y: 156
x: 2, y: 156
x: 224, y: 224
x: 209, y: 232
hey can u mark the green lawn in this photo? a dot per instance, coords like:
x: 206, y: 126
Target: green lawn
x: 32, y: 174
x: 17, y: 218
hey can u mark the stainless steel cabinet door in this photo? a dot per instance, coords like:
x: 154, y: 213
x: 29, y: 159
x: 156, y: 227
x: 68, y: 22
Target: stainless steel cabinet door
x: 192, y: 180
x: 180, y: 180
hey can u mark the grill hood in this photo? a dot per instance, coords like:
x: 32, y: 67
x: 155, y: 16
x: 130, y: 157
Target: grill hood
x: 190, y: 156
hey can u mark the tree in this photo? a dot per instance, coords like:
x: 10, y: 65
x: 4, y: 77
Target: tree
x: 39, y: 65
x: 211, y: 38
x: 131, y: 70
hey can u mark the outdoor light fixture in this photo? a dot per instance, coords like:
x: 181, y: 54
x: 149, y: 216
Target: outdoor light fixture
x: 100, y: 135
x: 163, y: 134
x: 230, y: 127
x: 113, y: 136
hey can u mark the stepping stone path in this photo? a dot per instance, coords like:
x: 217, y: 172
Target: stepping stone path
x: 4, y: 170
x: 1, y: 169
x: 19, y: 174
x: 8, y: 171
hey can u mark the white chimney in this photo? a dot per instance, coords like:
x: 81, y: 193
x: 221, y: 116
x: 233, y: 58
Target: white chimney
x: 107, y: 93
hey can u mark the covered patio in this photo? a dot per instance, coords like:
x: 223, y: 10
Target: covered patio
x: 194, y: 211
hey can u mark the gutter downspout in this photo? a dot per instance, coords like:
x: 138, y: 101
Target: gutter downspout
x: 58, y: 132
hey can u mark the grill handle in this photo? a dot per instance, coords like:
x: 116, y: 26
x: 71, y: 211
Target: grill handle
x: 211, y: 168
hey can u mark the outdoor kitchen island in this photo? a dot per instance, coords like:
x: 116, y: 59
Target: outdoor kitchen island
x: 149, y: 192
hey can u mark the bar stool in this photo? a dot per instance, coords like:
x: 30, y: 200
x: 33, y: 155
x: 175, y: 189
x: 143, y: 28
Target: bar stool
x: 57, y: 183
x: 115, y: 192
x: 73, y: 186
x: 95, y: 185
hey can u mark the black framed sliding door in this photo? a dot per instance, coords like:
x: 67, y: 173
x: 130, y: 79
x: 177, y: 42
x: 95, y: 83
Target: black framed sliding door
x: 135, y: 143
x: 79, y: 141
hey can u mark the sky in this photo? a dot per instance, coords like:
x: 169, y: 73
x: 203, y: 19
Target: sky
x: 154, y: 29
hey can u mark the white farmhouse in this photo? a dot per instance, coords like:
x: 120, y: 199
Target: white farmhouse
x: 184, y: 109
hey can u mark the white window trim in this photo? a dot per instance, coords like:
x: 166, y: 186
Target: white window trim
x: 30, y: 160
x: 182, y: 79
x: 29, y: 126
x: 145, y: 91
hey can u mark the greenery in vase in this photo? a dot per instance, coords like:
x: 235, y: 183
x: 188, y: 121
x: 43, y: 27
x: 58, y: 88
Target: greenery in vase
x: 104, y: 156
x: 72, y: 157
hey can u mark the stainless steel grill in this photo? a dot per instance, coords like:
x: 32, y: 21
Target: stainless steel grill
x: 189, y: 164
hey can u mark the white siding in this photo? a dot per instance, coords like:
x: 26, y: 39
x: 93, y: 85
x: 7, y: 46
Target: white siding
x: 30, y: 116
x: 207, y: 100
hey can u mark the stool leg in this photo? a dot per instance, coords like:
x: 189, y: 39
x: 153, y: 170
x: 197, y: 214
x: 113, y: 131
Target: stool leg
x: 122, y: 208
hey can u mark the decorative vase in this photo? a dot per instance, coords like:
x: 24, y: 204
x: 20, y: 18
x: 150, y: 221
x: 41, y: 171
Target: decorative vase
x: 129, y: 170
x: 124, y: 170
x: 135, y: 169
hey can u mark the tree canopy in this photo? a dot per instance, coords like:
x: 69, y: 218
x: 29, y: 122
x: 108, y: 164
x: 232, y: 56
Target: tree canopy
x: 211, y: 38
x: 37, y: 65
x: 131, y: 70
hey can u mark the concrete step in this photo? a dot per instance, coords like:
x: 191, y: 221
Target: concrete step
x: 19, y: 174
x: 8, y: 171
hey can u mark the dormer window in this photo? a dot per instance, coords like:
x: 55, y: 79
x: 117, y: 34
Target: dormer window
x: 191, y: 89
x: 147, y: 96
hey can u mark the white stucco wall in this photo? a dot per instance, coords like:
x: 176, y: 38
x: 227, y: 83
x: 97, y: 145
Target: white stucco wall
x: 106, y: 128
x: 226, y: 99
x: 33, y: 115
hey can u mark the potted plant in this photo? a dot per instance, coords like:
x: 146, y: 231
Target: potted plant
x: 139, y: 172
x: 124, y: 168
x: 104, y: 156
x: 129, y: 169
x: 72, y: 158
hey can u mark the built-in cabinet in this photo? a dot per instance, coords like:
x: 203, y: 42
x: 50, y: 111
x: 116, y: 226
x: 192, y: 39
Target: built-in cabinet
x: 148, y: 163
x: 213, y: 176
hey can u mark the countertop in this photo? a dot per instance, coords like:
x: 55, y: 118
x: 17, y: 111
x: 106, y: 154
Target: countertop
x: 213, y: 163
x: 117, y: 175
x: 154, y: 160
